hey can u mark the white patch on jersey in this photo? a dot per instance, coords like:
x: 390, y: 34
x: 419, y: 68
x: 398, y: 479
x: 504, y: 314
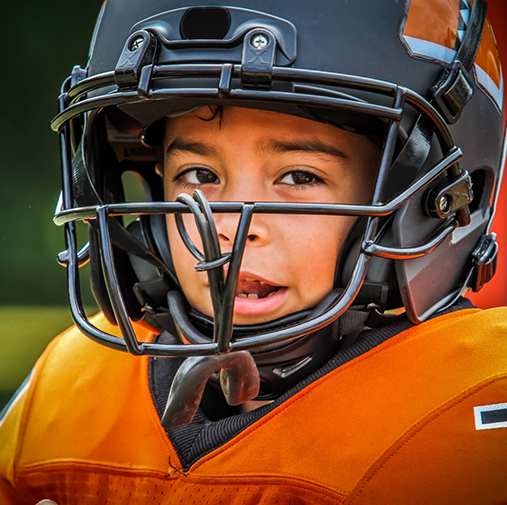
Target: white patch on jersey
x: 488, y: 417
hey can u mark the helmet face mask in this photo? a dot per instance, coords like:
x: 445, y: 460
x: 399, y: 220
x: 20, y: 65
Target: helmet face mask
x: 419, y: 241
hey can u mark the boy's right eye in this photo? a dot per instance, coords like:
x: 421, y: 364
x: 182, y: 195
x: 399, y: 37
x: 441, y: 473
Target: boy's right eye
x: 198, y: 176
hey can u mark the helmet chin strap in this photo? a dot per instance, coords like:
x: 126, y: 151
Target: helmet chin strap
x: 245, y: 375
x: 280, y: 365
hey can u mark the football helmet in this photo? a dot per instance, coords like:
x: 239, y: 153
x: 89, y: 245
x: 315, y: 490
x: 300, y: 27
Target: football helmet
x: 423, y: 77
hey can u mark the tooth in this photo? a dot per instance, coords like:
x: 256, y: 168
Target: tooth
x: 250, y: 279
x: 242, y: 295
x: 271, y: 294
x: 253, y: 296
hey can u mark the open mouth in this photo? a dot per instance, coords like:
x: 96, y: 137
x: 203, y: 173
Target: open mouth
x: 256, y: 296
x: 255, y: 289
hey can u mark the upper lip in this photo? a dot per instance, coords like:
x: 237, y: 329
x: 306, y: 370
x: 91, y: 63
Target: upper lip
x: 244, y: 275
x: 249, y: 276
x: 252, y: 286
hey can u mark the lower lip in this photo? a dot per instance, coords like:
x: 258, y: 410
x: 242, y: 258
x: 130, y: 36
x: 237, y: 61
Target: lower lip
x: 260, y: 305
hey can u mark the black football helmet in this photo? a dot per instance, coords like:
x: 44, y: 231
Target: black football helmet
x: 425, y: 80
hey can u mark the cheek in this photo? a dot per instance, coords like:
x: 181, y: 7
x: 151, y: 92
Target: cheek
x: 311, y: 247
x: 184, y: 263
x: 170, y: 190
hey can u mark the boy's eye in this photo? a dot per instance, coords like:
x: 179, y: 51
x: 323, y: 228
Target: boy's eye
x: 199, y: 176
x: 299, y: 178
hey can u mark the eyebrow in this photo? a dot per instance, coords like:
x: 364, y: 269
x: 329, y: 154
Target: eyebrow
x: 312, y: 146
x: 191, y: 147
x: 273, y: 146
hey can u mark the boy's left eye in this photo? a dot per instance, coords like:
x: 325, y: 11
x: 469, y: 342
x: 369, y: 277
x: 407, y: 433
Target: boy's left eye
x: 199, y: 176
x: 298, y: 178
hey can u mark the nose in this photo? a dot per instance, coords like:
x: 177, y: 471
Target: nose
x: 227, y: 225
x: 244, y: 185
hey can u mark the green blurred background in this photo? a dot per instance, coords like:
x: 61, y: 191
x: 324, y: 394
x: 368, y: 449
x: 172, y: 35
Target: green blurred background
x: 44, y: 41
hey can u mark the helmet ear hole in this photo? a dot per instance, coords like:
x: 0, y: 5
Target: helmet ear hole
x: 478, y: 178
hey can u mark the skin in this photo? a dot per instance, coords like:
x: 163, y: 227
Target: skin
x: 254, y: 155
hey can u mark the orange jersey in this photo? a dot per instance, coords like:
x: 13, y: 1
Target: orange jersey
x: 419, y: 418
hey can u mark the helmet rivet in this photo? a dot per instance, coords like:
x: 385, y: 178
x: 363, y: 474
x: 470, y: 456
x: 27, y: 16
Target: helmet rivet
x: 259, y: 41
x: 136, y: 43
x: 443, y: 204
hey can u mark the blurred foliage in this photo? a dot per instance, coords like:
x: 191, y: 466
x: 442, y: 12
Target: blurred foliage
x: 44, y: 41
x: 26, y: 331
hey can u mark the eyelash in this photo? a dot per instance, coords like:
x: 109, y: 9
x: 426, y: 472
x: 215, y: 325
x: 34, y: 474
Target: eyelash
x: 315, y: 180
x: 179, y: 177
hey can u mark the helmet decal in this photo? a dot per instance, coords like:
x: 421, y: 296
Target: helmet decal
x: 434, y: 30
x: 488, y: 68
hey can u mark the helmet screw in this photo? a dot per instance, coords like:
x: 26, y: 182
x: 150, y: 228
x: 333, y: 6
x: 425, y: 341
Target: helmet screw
x: 136, y: 43
x: 259, y: 41
x: 443, y: 204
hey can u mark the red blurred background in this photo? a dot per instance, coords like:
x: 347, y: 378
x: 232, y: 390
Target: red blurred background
x: 495, y: 292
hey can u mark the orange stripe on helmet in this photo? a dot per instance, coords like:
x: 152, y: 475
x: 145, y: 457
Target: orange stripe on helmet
x: 488, y: 60
x: 433, y: 29
x: 434, y: 21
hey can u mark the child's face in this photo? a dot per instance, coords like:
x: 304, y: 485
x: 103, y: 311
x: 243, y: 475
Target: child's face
x: 253, y: 155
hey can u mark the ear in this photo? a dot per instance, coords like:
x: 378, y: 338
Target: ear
x: 159, y: 169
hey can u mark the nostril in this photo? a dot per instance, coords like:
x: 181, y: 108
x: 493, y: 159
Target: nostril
x: 251, y: 237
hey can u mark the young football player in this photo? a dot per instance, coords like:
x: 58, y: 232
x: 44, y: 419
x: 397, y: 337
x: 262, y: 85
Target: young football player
x: 281, y: 317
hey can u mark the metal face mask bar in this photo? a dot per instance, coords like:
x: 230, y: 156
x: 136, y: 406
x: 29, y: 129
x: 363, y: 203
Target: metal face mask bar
x: 135, y: 81
x: 200, y: 345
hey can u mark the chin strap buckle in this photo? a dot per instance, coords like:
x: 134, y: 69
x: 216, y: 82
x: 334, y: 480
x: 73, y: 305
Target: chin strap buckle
x: 484, y: 258
x: 455, y: 86
x: 450, y: 197
x: 453, y: 91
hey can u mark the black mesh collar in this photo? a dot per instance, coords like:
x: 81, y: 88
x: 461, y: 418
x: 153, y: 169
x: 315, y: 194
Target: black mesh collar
x: 216, y: 422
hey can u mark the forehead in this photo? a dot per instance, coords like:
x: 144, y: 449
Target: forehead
x: 232, y: 128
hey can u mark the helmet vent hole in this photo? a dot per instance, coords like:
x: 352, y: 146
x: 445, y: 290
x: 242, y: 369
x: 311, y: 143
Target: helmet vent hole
x: 205, y: 23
